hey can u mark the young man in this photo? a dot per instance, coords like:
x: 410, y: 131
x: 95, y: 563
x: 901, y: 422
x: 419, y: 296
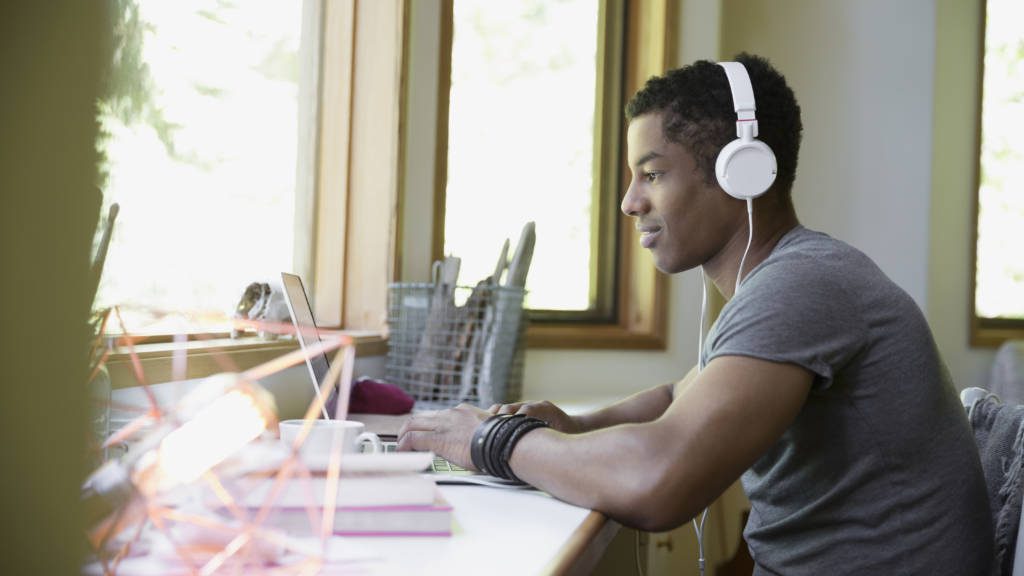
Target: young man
x: 820, y: 383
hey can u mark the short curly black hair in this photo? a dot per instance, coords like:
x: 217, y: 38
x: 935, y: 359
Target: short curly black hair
x: 699, y: 114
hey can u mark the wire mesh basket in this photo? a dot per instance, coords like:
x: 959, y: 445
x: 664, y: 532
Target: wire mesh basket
x: 450, y: 345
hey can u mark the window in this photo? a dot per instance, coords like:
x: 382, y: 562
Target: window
x: 535, y: 132
x: 246, y: 138
x: 521, y: 145
x: 998, y: 307
x: 209, y: 108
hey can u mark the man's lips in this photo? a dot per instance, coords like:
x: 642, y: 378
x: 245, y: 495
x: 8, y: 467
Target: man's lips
x: 648, y: 235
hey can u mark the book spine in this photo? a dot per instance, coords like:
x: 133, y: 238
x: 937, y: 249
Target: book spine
x: 351, y: 493
x: 393, y: 534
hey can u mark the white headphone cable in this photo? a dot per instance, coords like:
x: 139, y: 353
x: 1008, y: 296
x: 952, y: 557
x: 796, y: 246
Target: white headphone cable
x: 750, y: 239
x: 699, y: 528
x: 700, y: 327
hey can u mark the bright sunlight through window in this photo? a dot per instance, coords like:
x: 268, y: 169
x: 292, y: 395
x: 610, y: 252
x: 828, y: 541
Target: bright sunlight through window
x: 1000, y: 272
x: 201, y: 143
x: 521, y: 141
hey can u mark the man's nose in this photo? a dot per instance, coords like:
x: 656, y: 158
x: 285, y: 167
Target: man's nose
x: 633, y: 202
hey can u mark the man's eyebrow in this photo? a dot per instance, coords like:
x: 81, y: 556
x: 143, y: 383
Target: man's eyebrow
x: 647, y: 158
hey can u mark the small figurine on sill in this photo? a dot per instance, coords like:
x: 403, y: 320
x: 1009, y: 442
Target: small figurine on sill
x: 261, y: 303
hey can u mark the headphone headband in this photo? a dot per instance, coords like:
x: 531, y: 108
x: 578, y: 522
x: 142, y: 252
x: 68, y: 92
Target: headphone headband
x: 742, y: 95
x: 746, y: 166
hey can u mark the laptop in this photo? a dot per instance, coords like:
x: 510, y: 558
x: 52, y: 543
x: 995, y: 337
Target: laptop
x: 305, y: 330
x: 317, y: 365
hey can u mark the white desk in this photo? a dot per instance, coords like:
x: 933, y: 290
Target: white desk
x: 496, y: 532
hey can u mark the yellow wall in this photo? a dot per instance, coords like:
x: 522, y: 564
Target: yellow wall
x: 954, y: 161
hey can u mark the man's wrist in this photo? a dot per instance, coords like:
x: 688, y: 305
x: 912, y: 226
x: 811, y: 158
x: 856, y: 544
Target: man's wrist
x: 581, y: 423
x: 495, y: 439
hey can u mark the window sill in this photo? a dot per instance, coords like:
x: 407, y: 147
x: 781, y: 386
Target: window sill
x: 586, y: 336
x: 991, y: 332
x: 205, y: 357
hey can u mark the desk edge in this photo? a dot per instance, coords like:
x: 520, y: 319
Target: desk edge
x: 585, y: 546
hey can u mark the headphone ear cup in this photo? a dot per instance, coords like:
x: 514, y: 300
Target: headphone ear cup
x: 745, y: 168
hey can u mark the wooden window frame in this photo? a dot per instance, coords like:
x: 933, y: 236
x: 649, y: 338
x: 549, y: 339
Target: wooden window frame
x: 638, y: 315
x: 985, y: 332
x: 349, y: 256
x: 359, y: 159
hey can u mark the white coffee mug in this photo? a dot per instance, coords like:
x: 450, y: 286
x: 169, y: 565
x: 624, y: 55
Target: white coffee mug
x: 327, y: 435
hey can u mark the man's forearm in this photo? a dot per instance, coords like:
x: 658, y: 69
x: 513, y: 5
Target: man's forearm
x: 643, y: 406
x: 621, y: 471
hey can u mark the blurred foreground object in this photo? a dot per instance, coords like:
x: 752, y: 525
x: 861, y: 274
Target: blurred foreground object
x: 171, y: 503
x: 213, y: 422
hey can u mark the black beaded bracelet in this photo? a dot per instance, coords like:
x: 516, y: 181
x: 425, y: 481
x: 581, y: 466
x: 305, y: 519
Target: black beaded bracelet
x: 488, y: 445
x: 493, y: 449
x: 480, y: 437
x: 521, y: 429
x: 494, y: 439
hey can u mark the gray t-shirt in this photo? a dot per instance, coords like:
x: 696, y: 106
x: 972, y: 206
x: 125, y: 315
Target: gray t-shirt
x: 879, y: 473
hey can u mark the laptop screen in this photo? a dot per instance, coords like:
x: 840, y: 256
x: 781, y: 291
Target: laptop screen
x: 305, y: 326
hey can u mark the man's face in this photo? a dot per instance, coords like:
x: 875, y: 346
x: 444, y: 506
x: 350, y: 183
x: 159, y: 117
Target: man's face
x: 683, y: 221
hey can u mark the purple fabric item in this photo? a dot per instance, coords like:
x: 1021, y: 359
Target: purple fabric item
x: 370, y: 396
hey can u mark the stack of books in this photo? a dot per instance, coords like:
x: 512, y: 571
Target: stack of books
x: 366, y: 505
x: 367, y: 502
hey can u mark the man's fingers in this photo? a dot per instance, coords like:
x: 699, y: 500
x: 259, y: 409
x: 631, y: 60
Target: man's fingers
x: 412, y: 440
x: 535, y: 411
x: 494, y: 409
x: 533, y: 408
x: 417, y: 423
x: 510, y: 408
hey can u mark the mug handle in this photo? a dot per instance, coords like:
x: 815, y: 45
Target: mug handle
x: 372, y: 439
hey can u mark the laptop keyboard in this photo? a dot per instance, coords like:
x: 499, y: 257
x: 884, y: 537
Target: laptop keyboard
x: 438, y: 465
x: 441, y: 465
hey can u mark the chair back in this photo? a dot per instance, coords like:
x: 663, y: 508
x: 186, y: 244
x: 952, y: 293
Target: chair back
x: 999, y: 435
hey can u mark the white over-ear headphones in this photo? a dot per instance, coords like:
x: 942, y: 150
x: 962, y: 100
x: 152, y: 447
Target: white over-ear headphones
x: 746, y: 166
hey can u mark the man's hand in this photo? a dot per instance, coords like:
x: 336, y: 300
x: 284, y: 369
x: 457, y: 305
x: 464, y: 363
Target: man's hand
x: 546, y: 411
x: 445, y: 432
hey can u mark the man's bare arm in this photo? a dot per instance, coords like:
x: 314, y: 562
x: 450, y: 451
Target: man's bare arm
x: 643, y: 406
x: 653, y: 475
x: 657, y: 475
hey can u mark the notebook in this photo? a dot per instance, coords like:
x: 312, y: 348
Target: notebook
x: 441, y: 470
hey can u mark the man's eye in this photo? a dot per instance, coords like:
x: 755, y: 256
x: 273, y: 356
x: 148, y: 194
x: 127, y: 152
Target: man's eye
x: 651, y: 176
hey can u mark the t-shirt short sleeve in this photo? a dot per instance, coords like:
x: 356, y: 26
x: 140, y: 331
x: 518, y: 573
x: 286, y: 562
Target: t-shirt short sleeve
x: 793, y: 310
